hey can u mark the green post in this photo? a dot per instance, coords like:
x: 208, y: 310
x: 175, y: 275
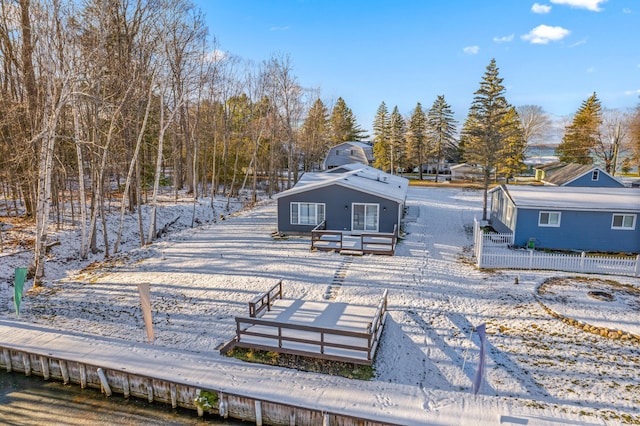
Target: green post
x: 18, y: 285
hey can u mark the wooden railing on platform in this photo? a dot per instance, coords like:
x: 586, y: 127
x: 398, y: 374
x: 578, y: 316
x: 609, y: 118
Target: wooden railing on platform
x: 370, y: 242
x: 318, y: 342
x: 265, y: 300
x: 379, y: 242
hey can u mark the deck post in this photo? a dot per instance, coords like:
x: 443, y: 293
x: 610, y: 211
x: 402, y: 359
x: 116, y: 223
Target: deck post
x: 103, y: 382
x: 64, y: 371
x: 258, y: 406
x: 636, y: 270
x: 174, y: 396
x: 83, y: 376
x: 27, y: 364
x: 44, y: 363
x: 7, y: 359
x: 150, y: 390
x: 125, y: 386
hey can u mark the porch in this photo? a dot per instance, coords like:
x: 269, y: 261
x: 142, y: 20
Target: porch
x: 345, y: 242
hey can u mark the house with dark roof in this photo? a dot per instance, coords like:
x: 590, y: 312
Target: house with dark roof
x: 348, y: 153
x: 352, y: 198
x: 595, y: 219
x: 572, y: 174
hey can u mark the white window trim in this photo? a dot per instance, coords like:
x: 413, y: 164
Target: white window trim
x: 550, y: 225
x: 595, y: 175
x: 298, y: 203
x: 623, y: 228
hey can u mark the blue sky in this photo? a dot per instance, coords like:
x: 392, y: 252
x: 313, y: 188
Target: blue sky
x: 551, y: 53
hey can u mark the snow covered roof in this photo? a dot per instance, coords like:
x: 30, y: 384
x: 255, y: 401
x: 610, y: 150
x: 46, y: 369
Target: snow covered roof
x: 567, y: 173
x: 573, y: 198
x: 349, y: 152
x: 355, y: 176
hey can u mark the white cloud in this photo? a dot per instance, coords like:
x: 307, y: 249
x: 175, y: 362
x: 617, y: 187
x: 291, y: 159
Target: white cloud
x: 593, y: 5
x: 471, y: 50
x: 632, y: 92
x: 627, y: 11
x: 285, y: 28
x: 540, y: 8
x: 504, y: 39
x: 543, y: 34
x: 591, y: 70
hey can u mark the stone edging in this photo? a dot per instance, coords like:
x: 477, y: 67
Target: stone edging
x: 601, y: 331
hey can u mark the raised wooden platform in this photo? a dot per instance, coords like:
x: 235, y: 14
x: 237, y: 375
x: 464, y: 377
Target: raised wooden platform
x: 326, y: 330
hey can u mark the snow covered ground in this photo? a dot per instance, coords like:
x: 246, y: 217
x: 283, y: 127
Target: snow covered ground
x: 539, y: 370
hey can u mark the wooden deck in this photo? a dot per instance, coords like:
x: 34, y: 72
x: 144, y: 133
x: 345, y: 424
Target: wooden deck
x: 345, y: 243
x: 327, y: 330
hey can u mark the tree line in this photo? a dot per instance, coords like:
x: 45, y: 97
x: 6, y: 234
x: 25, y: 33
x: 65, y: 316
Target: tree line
x: 114, y: 99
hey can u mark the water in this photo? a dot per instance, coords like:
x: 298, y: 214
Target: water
x: 26, y: 401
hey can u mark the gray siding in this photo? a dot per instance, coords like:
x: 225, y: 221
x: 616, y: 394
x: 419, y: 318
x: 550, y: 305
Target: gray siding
x: 338, y: 202
x: 578, y: 230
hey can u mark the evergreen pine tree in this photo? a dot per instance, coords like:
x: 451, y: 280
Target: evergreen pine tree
x: 513, y: 150
x: 381, y: 137
x: 343, y: 124
x: 417, y: 138
x: 315, y: 141
x: 441, y: 131
x: 397, y: 130
x: 484, y: 129
x: 582, y: 135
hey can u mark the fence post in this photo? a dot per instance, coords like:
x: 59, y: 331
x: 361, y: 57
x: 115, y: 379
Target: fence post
x: 530, y: 259
x: 636, y: 270
x: 582, y: 262
x: 480, y: 249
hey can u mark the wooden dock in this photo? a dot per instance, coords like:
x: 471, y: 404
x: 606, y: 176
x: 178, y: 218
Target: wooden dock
x: 244, y: 391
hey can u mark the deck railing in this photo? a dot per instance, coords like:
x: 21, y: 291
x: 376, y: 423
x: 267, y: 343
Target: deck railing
x: 265, y: 300
x: 320, y: 342
x: 369, y: 242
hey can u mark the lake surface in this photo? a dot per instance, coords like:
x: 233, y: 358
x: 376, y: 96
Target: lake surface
x: 34, y: 401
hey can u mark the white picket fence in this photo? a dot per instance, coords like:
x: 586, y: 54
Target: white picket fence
x: 492, y: 251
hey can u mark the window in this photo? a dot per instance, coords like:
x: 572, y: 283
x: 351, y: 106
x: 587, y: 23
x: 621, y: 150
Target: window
x: 509, y: 214
x: 623, y: 221
x: 549, y: 219
x: 594, y: 175
x: 365, y: 217
x: 307, y: 213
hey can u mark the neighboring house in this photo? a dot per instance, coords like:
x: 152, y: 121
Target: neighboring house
x: 354, y: 198
x: 572, y: 174
x: 466, y: 171
x: 349, y: 153
x: 568, y: 218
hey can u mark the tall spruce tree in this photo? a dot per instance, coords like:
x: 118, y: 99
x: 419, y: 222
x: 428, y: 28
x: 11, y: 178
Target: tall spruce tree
x: 512, y: 155
x: 582, y: 135
x: 397, y: 131
x: 381, y: 137
x: 484, y: 131
x: 343, y: 126
x: 441, y: 131
x: 417, y: 138
x: 314, y: 132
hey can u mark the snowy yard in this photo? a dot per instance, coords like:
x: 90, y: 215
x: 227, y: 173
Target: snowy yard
x: 539, y: 370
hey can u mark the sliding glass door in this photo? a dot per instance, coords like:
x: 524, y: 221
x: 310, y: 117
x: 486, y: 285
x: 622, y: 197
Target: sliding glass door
x: 364, y: 217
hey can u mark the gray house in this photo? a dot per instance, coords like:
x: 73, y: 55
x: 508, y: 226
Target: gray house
x: 352, y: 198
x: 348, y: 153
x: 568, y: 218
x: 571, y: 174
